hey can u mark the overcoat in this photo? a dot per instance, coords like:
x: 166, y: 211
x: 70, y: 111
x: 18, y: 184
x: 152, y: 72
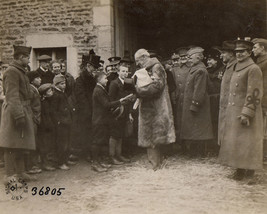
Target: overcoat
x: 196, y: 118
x: 180, y: 74
x: 35, y: 104
x: 116, y: 91
x: 242, y: 145
x: 156, y: 124
x: 224, y: 94
x: 16, y: 105
x: 46, y: 77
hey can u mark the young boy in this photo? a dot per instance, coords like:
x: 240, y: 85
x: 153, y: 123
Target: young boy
x: 46, y: 130
x: 62, y: 118
x: 101, y: 119
x: 117, y: 128
x: 32, y: 158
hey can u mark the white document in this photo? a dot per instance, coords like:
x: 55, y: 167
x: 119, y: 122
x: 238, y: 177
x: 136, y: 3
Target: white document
x: 143, y: 78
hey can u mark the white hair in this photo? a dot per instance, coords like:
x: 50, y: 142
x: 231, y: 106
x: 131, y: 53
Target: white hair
x: 141, y: 52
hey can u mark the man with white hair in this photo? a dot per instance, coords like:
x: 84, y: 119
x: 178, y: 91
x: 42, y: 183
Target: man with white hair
x: 196, y: 127
x: 156, y: 125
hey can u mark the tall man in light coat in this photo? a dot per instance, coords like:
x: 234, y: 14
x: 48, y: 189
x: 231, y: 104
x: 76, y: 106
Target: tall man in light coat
x: 17, y: 130
x: 260, y: 51
x: 241, y: 147
x: 196, y: 127
x: 156, y: 126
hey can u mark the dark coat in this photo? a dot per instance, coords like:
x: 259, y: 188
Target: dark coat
x: 70, y: 89
x: 262, y: 63
x: 242, y: 145
x: 61, y: 110
x: 102, y: 106
x: 224, y: 94
x: 180, y: 74
x: 156, y: 126
x: 35, y: 104
x: 46, y: 77
x: 196, y: 118
x: 116, y: 92
x: 16, y: 105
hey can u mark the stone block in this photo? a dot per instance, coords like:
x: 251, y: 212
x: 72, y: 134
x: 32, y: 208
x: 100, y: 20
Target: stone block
x: 103, y: 15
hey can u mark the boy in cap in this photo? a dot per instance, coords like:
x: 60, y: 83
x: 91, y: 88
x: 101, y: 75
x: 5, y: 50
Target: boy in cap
x: 62, y: 117
x: 35, y: 82
x: 46, y: 130
x: 17, y: 130
x: 101, y: 119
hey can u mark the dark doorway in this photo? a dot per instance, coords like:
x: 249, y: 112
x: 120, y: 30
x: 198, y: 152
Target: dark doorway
x: 164, y: 25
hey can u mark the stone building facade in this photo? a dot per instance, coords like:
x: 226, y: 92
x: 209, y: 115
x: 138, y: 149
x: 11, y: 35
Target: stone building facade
x: 64, y: 28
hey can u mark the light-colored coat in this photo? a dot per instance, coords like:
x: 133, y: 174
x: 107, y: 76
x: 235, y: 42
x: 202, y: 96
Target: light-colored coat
x: 156, y: 124
x: 196, y: 118
x: 16, y: 105
x: 242, y: 145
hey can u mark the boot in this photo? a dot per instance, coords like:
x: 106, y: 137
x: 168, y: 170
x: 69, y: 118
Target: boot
x: 115, y: 161
x: 10, y: 162
x: 118, y: 152
x: 25, y: 177
x: 154, y: 157
x: 98, y: 168
x: 239, y: 174
x: 250, y: 173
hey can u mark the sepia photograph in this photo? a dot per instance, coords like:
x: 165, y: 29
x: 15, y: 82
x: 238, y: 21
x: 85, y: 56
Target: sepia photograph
x: 133, y: 106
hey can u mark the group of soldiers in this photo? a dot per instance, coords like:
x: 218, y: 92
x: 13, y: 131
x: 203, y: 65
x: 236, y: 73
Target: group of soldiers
x: 213, y: 99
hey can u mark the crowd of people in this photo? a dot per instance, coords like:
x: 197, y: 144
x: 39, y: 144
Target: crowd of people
x: 206, y: 101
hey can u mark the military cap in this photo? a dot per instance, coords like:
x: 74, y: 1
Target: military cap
x: 44, y: 87
x: 182, y: 51
x: 175, y: 56
x: 114, y: 60
x: 44, y: 58
x: 243, y: 44
x: 227, y: 46
x: 22, y: 50
x: 32, y: 75
x: 261, y: 41
x: 58, y: 79
x: 126, y: 58
x: 195, y: 50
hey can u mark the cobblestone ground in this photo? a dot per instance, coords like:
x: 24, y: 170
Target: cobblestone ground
x: 182, y: 186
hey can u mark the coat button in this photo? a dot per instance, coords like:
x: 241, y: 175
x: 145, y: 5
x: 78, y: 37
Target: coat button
x: 236, y: 84
x: 233, y: 104
x: 234, y: 94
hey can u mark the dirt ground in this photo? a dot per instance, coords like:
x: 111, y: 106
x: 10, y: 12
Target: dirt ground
x: 182, y: 186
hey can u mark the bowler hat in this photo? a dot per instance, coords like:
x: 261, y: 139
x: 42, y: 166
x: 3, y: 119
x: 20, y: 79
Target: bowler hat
x: 114, y: 60
x: 241, y: 44
x: 44, y: 87
x: 126, y: 58
x: 22, y: 50
x: 32, y: 75
x: 44, y: 58
x: 260, y: 40
x: 58, y: 79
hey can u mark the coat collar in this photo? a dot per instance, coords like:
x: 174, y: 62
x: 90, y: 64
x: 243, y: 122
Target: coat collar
x: 244, y: 64
x: 197, y: 67
x: 261, y: 59
x: 231, y: 63
x: 18, y: 66
x: 101, y: 87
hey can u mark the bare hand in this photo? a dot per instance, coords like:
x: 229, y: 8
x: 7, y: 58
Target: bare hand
x: 244, y: 120
x: 131, y: 118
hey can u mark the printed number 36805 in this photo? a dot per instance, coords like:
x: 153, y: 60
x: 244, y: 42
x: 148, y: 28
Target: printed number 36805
x: 46, y: 191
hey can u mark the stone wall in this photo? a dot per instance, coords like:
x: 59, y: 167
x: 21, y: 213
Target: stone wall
x: 22, y: 18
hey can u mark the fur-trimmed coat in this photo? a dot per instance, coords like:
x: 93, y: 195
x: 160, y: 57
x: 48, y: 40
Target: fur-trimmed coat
x: 156, y: 124
x: 16, y: 105
x: 242, y: 145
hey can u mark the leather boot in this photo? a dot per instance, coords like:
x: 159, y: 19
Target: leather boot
x: 97, y: 167
x: 239, y: 174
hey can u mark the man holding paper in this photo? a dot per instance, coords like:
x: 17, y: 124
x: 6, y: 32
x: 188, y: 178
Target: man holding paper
x: 156, y: 125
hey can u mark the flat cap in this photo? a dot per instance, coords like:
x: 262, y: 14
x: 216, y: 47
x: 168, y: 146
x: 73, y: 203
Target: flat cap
x: 58, y: 78
x: 259, y: 40
x: 182, y: 51
x: 227, y: 46
x: 44, y: 58
x: 195, y: 50
x: 44, y: 87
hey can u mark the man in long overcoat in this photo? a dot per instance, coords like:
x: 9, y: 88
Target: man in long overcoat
x: 228, y: 58
x: 241, y: 147
x: 17, y: 131
x: 196, y: 127
x: 156, y: 126
x: 260, y: 51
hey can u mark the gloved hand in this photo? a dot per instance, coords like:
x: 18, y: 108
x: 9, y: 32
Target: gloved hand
x: 20, y: 123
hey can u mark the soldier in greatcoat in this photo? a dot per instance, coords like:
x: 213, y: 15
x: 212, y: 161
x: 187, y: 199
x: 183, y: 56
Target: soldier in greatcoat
x: 196, y: 127
x: 16, y: 130
x: 241, y: 147
x: 260, y: 52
